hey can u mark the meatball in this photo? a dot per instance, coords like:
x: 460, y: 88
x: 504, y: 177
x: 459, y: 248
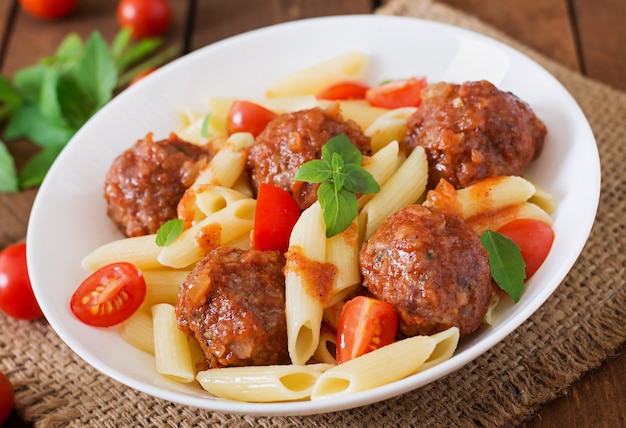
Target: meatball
x: 144, y: 184
x: 431, y: 268
x: 293, y: 139
x: 233, y: 303
x: 474, y: 131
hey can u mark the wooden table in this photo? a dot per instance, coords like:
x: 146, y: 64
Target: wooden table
x: 589, y: 37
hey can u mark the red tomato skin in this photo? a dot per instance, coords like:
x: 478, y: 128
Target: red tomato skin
x: 276, y: 214
x: 146, y: 18
x: 16, y: 292
x: 346, y: 90
x: 534, y: 239
x: 7, y: 398
x: 115, y: 278
x: 49, y: 9
x: 398, y: 93
x: 365, y: 324
x: 246, y: 116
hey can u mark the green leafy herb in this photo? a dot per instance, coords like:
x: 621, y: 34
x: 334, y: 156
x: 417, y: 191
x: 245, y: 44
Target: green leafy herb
x: 48, y: 102
x: 506, y: 262
x: 204, y: 129
x: 169, y: 231
x: 342, y: 177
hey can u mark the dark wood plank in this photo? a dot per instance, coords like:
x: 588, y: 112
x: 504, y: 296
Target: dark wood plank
x: 219, y: 19
x: 541, y: 24
x: 602, y: 32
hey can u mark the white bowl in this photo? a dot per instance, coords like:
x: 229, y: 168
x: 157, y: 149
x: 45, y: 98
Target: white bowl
x: 68, y: 219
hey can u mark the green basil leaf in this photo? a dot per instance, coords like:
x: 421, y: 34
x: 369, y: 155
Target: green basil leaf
x: 9, y: 98
x: 169, y: 231
x: 314, y: 171
x: 204, y: 129
x: 96, y: 72
x: 69, y: 52
x: 138, y: 51
x: 120, y: 43
x: 339, y: 208
x: 338, y: 176
x: 359, y: 180
x: 28, y: 122
x: 8, y: 172
x: 506, y: 263
x: 48, y: 101
x: 29, y: 81
x: 341, y: 145
x: 33, y: 173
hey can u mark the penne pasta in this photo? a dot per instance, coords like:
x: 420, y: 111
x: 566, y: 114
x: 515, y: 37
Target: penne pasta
x: 162, y: 285
x: 171, y: 349
x: 311, y: 80
x: 446, y: 343
x: 494, y: 220
x: 262, y: 383
x: 381, y: 165
x: 142, y: 251
x: 138, y: 331
x: 388, y: 127
x: 493, y: 193
x: 326, y: 349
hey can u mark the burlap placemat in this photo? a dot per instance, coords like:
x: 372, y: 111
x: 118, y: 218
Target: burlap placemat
x: 574, y: 331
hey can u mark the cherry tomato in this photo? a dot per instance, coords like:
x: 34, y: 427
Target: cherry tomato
x: 396, y: 94
x: 49, y: 9
x: 146, y: 18
x: 276, y: 214
x: 141, y: 75
x: 533, y: 237
x: 16, y: 293
x: 346, y: 90
x: 7, y: 399
x: 365, y: 324
x: 245, y: 116
x: 109, y: 295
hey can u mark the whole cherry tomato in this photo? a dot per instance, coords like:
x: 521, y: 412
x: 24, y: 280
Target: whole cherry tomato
x: 49, y: 9
x: 146, y: 18
x: 365, y: 324
x: 276, y: 214
x: 534, y: 239
x: 16, y: 293
x: 245, y: 116
x: 7, y: 399
x: 110, y: 295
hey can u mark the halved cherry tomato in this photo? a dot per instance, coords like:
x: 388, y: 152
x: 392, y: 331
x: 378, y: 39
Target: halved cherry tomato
x: 365, y: 324
x: 276, y: 214
x: 7, y: 398
x: 246, y: 116
x: 146, y: 18
x: 397, y: 93
x: 109, y: 295
x: 346, y: 90
x: 16, y: 293
x: 49, y: 9
x: 533, y: 237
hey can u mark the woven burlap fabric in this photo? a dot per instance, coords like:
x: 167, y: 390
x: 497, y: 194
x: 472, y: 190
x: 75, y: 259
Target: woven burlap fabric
x: 578, y: 327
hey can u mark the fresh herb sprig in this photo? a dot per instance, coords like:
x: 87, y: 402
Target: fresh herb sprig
x: 506, y: 263
x: 342, y: 178
x: 168, y: 232
x: 48, y: 102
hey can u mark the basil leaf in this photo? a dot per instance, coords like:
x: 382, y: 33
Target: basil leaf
x: 314, y: 171
x: 8, y: 172
x: 9, y: 98
x: 137, y: 51
x: 341, y: 145
x: 28, y: 122
x: 28, y: 82
x: 120, y: 43
x: 359, y: 180
x: 339, y: 208
x: 33, y: 173
x: 204, y: 129
x: 169, y: 231
x: 506, y: 263
x: 338, y: 176
x: 96, y: 72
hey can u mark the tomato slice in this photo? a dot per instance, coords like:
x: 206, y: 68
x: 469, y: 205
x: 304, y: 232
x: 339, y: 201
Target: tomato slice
x: 533, y: 237
x: 397, y: 93
x: 365, y: 324
x: 345, y: 90
x: 246, y: 116
x: 109, y: 295
x: 276, y: 214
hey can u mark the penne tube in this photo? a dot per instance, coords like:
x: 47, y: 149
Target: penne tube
x: 262, y: 383
x: 379, y: 367
x: 359, y: 111
x: 142, y: 251
x: 342, y: 251
x: 382, y: 166
x: 326, y: 349
x: 446, y: 343
x: 494, y: 220
x: 220, y: 227
x: 311, y: 80
x: 171, y: 349
x: 138, y: 331
x: 162, y: 285
x: 405, y: 187
x: 493, y: 193
x: 211, y: 199
x: 388, y: 127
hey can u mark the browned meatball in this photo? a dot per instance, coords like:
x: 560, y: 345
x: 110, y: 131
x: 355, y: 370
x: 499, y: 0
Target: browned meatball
x: 432, y: 268
x: 293, y: 139
x: 233, y: 303
x: 474, y: 131
x: 144, y: 184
